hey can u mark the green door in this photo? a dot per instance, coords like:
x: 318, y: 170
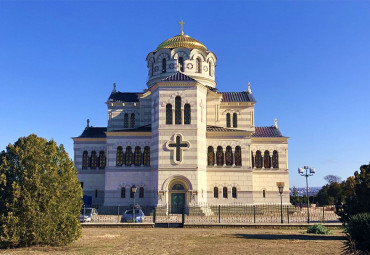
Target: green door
x: 177, y: 202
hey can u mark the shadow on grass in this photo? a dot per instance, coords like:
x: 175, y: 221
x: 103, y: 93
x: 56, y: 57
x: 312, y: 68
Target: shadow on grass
x: 289, y: 237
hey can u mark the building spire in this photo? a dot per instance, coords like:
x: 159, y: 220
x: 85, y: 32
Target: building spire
x: 114, y: 88
x: 276, y: 125
x: 249, y: 88
x: 182, y: 27
x: 87, y: 123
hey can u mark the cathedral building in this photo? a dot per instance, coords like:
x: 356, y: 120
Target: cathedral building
x: 181, y: 141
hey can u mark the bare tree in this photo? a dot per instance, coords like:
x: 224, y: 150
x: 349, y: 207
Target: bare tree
x: 332, y: 179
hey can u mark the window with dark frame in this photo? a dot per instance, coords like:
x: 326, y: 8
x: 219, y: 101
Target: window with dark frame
x: 123, y: 192
x: 234, y: 192
x: 119, y: 156
x: 93, y: 160
x: 85, y: 160
x: 215, y: 192
x: 169, y: 114
x: 128, y: 158
x: 228, y: 123
x: 141, y: 192
x: 178, y: 110
x: 187, y: 114
x: 224, y: 192
x: 137, y: 156
x: 102, y: 160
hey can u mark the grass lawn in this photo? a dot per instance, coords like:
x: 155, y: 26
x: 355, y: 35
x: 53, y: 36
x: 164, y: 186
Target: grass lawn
x: 194, y: 241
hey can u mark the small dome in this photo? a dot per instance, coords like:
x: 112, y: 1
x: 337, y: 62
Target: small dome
x: 182, y: 41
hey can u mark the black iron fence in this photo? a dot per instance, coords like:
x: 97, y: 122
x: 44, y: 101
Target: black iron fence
x: 228, y: 213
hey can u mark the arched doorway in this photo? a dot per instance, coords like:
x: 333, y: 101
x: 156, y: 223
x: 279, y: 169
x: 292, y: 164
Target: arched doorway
x: 177, y: 198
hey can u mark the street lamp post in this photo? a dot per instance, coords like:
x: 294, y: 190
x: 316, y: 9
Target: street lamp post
x: 307, y: 171
x: 281, y: 189
x: 133, y: 190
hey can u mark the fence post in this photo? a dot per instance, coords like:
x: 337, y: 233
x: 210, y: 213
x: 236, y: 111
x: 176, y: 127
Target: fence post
x: 219, y: 213
x: 183, y: 216
x: 254, y: 213
x: 323, y: 214
x: 287, y: 212
x: 154, y: 214
x: 118, y: 213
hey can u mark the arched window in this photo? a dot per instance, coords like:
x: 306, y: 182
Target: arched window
x: 152, y: 68
x: 93, y: 160
x: 264, y: 193
x: 128, y: 159
x: 238, y: 156
x: 141, y: 192
x: 199, y: 66
x: 178, y: 186
x: 137, y: 156
x: 275, y: 159
x: 169, y: 114
x: 215, y: 192
x: 125, y: 121
x: 123, y: 192
x: 258, y: 159
x: 132, y: 120
x: 224, y: 192
x: 187, y: 114
x: 235, y: 120
x: 252, y: 159
x: 211, y: 156
x: 132, y: 194
x: 267, y: 160
x: 210, y: 69
x: 178, y: 110
x: 96, y: 193
x: 181, y: 63
x: 102, y: 160
x: 234, y: 192
x: 164, y: 65
x: 85, y: 160
x: 229, y: 156
x: 220, y: 156
x: 146, y: 156
x: 119, y: 156
x: 228, y: 124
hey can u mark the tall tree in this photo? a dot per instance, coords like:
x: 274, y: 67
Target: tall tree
x: 40, y: 195
x: 358, y: 201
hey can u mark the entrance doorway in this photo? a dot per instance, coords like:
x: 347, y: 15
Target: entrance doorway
x: 177, y: 202
x: 177, y: 198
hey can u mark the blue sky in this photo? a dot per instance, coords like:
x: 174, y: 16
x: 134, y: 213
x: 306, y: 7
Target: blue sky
x: 308, y: 63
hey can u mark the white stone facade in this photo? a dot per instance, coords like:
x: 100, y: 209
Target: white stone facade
x: 172, y: 141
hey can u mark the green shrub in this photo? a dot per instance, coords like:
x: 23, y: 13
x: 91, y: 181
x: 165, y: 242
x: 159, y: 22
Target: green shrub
x: 40, y: 195
x: 318, y: 229
x: 357, y: 230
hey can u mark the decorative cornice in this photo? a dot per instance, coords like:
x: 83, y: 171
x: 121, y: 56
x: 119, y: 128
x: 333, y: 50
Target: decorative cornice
x: 127, y: 133
x: 75, y: 139
x: 274, y: 139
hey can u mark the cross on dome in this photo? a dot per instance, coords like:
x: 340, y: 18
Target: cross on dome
x: 182, y: 27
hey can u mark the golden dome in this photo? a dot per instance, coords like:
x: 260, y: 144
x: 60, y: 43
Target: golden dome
x: 182, y: 41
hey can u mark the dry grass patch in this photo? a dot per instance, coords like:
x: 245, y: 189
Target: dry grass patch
x: 194, y: 241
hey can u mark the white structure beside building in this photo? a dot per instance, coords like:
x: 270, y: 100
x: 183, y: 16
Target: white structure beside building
x: 181, y: 141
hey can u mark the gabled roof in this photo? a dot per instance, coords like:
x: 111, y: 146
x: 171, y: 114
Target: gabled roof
x: 271, y: 131
x: 94, y: 132
x: 178, y: 76
x: 222, y: 129
x: 237, y: 97
x: 124, y: 97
